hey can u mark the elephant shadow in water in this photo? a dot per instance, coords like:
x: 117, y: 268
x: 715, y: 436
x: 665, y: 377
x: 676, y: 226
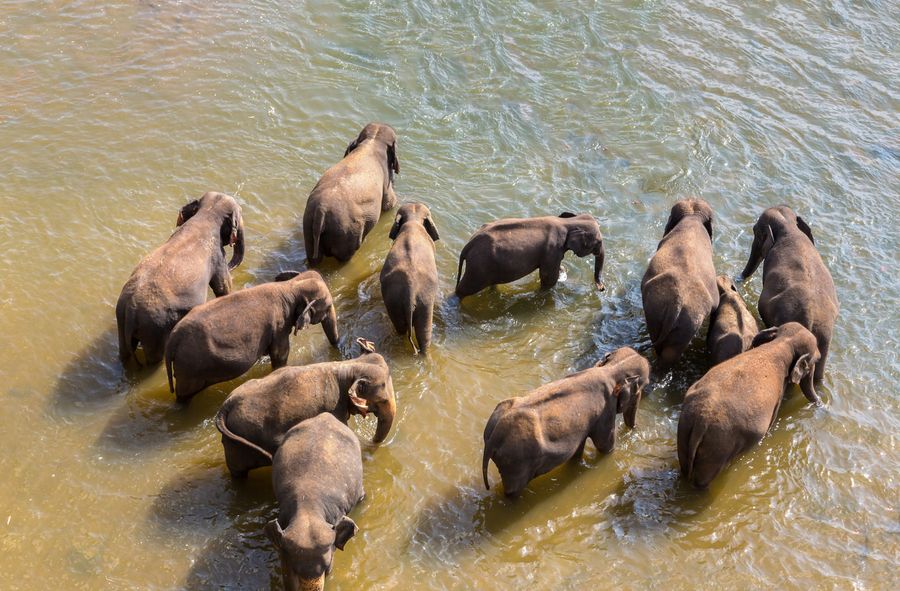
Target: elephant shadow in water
x: 224, y: 519
x: 469, y: 515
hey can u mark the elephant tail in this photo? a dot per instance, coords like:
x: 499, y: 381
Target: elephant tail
x: 462, y: 259
x: 170, y: 353
x: 125, y: 324
x: 318, y: 225
x: 689, y: 438
x: 484, y: 465
x: 222, y: 426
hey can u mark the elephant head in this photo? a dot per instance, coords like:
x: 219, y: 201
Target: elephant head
x: 805, y: 355
x: 385, y: 134
x: 414, y: 212
x: 689, y: 207
x: 223, y: 210
x: 774, y: 223
x: 371, y: 389
x: 583, y: 237
x: 306, y: 548
x: 631, y: 373
x: 312, y: 304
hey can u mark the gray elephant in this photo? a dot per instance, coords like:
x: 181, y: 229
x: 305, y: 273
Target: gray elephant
x: 172, y: 279
x: 349, y: 198
x: 679, y: 287
x: 732, y: 407
x: 253, y: 420
x: 732, y: 326
x: 797, y: 286
x: 532, y: 434
x: 220, y: 340
x: 409, y: 279
x: 317, y: 477
x: 509, y: 249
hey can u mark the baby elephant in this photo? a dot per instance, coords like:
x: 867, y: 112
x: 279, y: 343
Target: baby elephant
x: 679, y: 288
x: 409, y: 280
x: 317, y: 477
x: 732, y: 407
x: 532, y: 434
x: 732, y: 326
x: 253, y: 420
x: 220, y: 340
x: 506, y: 250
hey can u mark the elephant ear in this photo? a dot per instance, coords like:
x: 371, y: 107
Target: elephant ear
x: 344, y: 529
x: 357, y: 388
x: 187, y: 212
x: 286, y: 275
x: 674, y: 218
x: 431, y: 229
x: 603, y: 359
x: 764, y: 336
x: 804, y: 227
x: 351, y: 146
x: 275, y: 533
x: 801, y: 368
x: 567, y: 214
x: 393, y: 161
x: 365, y: 345
x: 395, y: 229
x: 304, y: 319
x: 707, y: 223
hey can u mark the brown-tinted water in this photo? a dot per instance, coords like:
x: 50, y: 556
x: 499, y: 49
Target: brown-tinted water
x: 114, y: 114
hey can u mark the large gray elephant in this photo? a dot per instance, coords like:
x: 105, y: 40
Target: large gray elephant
x: 732, y: 326
x: 254, y: 419
x: 317, y: 477
x: 509, y: 249
x: 532, y: 434
x: 797, y: 286
x: 732, y: 407
x: 349, y: 198
x: 220, y: 340
x: 172, y: 279
x: 409, y: 279
x: 679, y: 287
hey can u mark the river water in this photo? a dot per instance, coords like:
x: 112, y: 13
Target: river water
x: 114, y: 114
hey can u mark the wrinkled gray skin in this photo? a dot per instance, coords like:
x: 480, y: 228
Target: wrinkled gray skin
x: 317, y: 477
x: 172, y: 279
x: 220, y: 340
x: 797, y: 286
x: 409, y: 279
x: 509, y: 249
x: 532, y: 434
x: 254, y: 419
x: 732, y: 326
x: 679, y: 288
x: 349, y: 198
x: 732, y: 407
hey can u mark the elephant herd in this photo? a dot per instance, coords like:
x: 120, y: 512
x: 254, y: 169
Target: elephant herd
x: 295, y: 418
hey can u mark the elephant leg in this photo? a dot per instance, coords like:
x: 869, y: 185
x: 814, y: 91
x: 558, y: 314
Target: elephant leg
x: 422, y: 316
x: 824, y: 343
x: 187, y: 387
x: 469, y: 283
x: 241, y: 459
x: 549, y: 271
x: 604, y: 441
x: 279, y: 351
x: 154, y: 346
x: 220, y: 282
x: 576, y: 457
x: 514, y: 481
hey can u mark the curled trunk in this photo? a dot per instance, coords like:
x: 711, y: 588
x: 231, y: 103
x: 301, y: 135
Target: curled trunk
x: 598, y: 266
x: 237, y: 255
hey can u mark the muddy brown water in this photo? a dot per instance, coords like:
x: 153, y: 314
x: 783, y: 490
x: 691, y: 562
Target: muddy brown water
x: 114, y: 114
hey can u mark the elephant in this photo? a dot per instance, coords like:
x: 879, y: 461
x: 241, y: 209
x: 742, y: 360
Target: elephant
x: 349, y: 198
x: 797, y: 286
x: 679, y: 287
x: 509, y: 249
x: 254, y: 419
x: 220, y: 340
x: 317, y: 477
x: 409, y: 279
x: 732, y: 407
x: 530, y: 435
x: 172, y: 279
x: 732, y: 326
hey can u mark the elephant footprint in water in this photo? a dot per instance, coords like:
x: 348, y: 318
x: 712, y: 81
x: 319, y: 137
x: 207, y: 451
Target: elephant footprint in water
x: 220, y: 340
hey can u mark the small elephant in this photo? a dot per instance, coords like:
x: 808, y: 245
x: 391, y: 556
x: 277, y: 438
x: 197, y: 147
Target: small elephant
x: 679, y: 288
x: 732, y: 407
x: 509, y: 249
x: 253, y: 420
x: 532, y: 434
x: 349, y: 198
x: 732, y: 326
x: 220, y: 340
x: 797, y: 286
x: 172, y: 279
x: 317, y: 476
x: 409, y: 279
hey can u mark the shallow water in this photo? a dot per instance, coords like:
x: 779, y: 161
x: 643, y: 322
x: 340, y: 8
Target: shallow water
x: 114, y: 114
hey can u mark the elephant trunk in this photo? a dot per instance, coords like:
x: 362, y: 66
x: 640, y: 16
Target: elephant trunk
x: 599, y: 255
x: 238, y: 254
x: 755, y: 258
x: 631, y: 410
x: 329, y: 325
x: 385, y: 416
x: 806, y: 386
